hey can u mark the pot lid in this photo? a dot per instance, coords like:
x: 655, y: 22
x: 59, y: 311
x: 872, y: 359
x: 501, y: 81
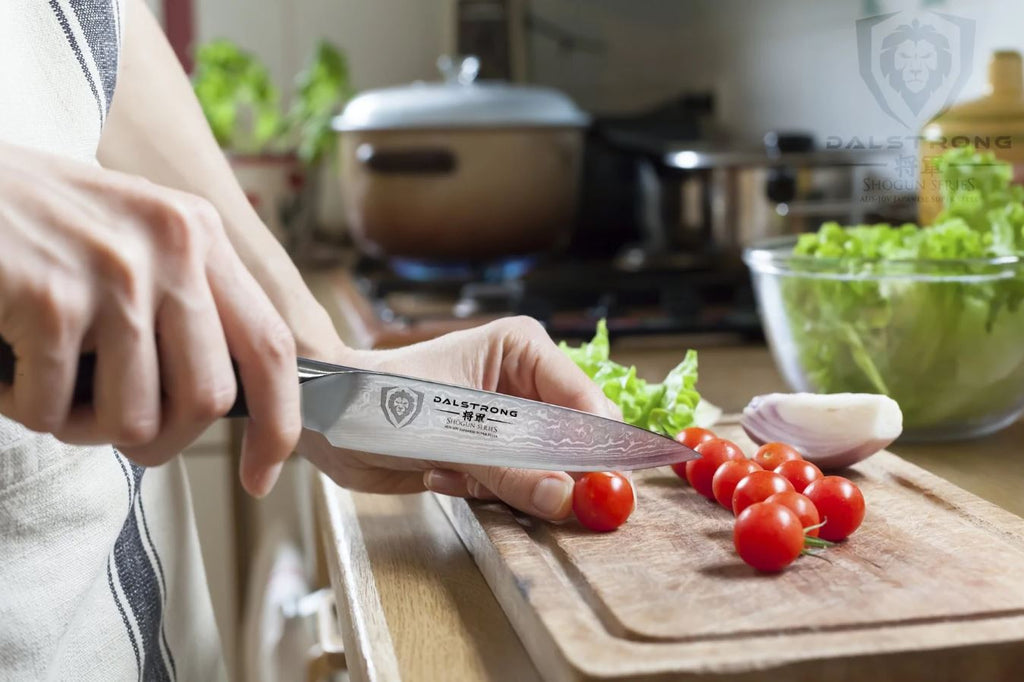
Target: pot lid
x: 457, y: 102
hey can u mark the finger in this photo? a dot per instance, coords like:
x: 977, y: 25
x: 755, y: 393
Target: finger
x: 264, y: 348
x: 125, y: 407
x: 195, y: 370
x: 534, y: 365
x: 455, y: 484
x: 40, y: 397
x: 545, y: 494
x: 446, y: 482
x: 479, y: 491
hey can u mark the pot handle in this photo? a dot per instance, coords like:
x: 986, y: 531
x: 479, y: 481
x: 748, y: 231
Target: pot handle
x: 408, y: 161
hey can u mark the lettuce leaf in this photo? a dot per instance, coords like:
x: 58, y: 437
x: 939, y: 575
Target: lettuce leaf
x: 666, y: 408
x: 945, y: 350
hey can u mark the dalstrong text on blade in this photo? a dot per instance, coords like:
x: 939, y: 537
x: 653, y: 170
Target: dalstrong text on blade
x: 467, y: 405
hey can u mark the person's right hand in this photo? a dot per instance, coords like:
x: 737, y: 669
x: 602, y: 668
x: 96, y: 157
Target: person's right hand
x: 146, y: 277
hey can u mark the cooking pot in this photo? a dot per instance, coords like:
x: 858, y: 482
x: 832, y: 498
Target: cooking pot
x: 462, y: 169
x: 716, y: 196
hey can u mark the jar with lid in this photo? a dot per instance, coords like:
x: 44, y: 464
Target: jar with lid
x: 993, y: 122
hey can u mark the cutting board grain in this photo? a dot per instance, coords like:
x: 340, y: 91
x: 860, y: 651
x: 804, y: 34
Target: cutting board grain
x: 931, y: 587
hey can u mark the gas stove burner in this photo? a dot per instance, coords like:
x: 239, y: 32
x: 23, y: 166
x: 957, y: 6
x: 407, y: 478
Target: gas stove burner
x: 436, y: 271
x: 567, y: 296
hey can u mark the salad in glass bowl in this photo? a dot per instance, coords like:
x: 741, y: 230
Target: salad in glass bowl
x: 931, y: 317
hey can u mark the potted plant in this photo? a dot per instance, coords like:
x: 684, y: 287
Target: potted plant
x: 277, y: 154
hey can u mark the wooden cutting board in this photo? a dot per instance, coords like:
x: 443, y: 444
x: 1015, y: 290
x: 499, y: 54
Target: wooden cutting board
x: 931, y: 587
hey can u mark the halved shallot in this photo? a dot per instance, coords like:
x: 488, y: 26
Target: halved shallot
x: 831, y: 430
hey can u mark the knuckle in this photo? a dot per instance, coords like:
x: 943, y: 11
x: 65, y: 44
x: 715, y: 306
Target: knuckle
x: 204, y: 213
x: 118, y: 264
x: 186, y: 225
x: 138, y: 429
x: 277, y: 344
x: 528, y: 326
x: 503, y: 481
x: 182, y: 226
x: 213, y: 401
x: 56, y: 311
x: 176, y: 235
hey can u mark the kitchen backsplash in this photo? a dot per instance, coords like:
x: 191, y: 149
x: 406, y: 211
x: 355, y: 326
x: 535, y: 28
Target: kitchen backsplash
x: 780, y: 64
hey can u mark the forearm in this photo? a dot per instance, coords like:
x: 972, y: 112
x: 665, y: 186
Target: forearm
x: 156, y: 129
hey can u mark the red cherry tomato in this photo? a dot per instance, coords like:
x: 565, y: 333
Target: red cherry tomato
x: 768, y: 536
x: 729, y: 473
x: 840, y: 505
x: 691, y: 438
x: 757, y: 487
x: 771, y: 455
x: 802, y: 507
x: 713, y: 453
x: 799, y: 472
x: 602, y: 500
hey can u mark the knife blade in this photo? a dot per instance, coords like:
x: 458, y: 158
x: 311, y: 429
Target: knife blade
x: 401, y: 416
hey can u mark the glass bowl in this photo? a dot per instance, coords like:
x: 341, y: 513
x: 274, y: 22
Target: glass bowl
x: 943, y: 338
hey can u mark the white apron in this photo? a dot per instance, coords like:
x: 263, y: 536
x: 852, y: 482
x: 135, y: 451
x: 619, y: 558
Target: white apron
x: 101, y: 576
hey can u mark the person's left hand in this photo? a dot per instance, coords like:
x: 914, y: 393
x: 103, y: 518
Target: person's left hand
x: 513, y: 356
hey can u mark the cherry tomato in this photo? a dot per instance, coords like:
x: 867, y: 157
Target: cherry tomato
x: 603, y: 500
x: 713, y: 453
x: 799, y: 472
x: 729, y: 473
x: 757, y: 487
x: 802, y: 507
x: 768, y: 536
x: 840, y: 505
x: 771, y: 455
x: 691, y: 438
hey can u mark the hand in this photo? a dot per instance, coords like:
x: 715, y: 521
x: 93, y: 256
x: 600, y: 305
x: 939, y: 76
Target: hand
x: 513, y: 356
x: 145, y: 276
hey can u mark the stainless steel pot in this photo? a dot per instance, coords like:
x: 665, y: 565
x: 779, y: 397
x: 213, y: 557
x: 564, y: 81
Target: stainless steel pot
x: 460, y: 170
x: 699, y: 197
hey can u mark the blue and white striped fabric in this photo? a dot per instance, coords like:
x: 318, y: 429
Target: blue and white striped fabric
x: 58, y: 72
x: 101, y: 576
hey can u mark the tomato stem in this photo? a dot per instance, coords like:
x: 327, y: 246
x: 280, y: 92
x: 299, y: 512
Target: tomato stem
x: 816, y: 555
x: 817, y: 542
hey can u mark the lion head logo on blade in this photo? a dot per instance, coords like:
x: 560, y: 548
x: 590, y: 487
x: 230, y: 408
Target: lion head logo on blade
x: 400, y: 405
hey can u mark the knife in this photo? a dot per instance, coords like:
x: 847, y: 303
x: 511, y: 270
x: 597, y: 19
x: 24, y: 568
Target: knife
x: 391, y: 414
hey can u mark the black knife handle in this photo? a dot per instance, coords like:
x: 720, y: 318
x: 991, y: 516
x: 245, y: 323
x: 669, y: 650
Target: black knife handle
x: 307, y: 369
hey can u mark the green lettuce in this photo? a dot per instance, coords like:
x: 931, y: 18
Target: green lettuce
x: 666, y: 408
x: 946, y: 351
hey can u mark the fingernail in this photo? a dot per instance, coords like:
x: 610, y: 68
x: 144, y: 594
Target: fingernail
x: 475, y: 488
x: 445, y: 482
x: 613, y: 409
x: 551, y: 495
x: 269, y: 479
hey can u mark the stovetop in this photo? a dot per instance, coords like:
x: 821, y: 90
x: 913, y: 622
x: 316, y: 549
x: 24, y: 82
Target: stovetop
x: 568, y: 296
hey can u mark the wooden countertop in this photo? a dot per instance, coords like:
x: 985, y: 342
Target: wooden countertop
x: 443, y: 623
